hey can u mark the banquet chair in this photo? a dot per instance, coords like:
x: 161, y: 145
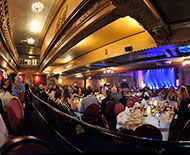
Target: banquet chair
x: 110, y: 115
x: 130, y: 103
x: 148, y: 131
x: 136, y: 99
x: 15, y: 116
x: 91, y: 114
x: 22, y: 97
x: 24, y: 145
x: 154, y: 95
x: 109, y: 108
x: 118, y: 108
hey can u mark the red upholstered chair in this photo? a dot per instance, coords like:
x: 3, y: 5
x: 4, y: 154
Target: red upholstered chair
x: 148, y: 131
x: 15, y: 115
x: 109, y: 108
x: 154, y: 95
x: 110, y: 115
x: 136, y: 99
x: 91, y: 114
x: 25, y: 145
x: 118, y: 108
x: 21, y: 97
x: 130, y: 103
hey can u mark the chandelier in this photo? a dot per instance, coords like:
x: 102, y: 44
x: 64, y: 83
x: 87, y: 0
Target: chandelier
x: 30, y: 41
x: 108, y: 71
x: 37, y: 7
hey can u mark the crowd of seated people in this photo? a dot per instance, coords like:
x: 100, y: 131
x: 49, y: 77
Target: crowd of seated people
x: 14, y: 88
x: 64, y: 98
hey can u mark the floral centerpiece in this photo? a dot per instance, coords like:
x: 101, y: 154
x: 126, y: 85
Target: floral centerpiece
x: 157, y: 107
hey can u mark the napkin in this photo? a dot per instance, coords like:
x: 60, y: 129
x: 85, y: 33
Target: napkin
x: 127, y: 110
x: 137, y: 104
x: 135, y: 117
x: 167, y: 117
x: 143, y: 101
x: 7, y: 95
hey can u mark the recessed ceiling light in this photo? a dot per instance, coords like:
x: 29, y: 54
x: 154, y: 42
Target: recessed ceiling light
x: 37, y: 7
x: 35, y: 26
x: 30, y: 41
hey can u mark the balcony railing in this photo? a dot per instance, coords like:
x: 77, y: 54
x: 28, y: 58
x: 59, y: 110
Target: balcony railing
x: 29, y: 61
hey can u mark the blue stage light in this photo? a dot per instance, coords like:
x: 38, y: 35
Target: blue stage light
x: 158, y: 78
x: 184, y: 49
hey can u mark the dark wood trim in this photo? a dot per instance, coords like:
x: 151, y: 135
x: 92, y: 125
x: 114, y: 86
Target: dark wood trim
x: 57, y: 36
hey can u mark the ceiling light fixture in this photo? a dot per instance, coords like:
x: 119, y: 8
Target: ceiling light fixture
x: 79, y: 75
x: 37, y: 7
x: 108, y: 71
x: 35, y: 26
x: 30, y: 41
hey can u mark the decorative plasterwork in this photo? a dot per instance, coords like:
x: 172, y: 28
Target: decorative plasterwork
x: 5, y: 27
x: 82, y: 20
x: 53, y: 12
x: 146, y: 15
x: 120, y: 2
x: 6, y: 57
x: 72, y: 25
x: 62, y: 17
x: 160, y: 35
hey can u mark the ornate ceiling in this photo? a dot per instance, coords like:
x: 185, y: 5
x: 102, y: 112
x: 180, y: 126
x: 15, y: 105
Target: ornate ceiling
x: 72, y: 35
x: 25, y: 23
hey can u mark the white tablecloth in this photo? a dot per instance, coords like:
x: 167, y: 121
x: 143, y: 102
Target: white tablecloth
x: 3, y: 132
x: 132, y: 123
x: 5, y: 98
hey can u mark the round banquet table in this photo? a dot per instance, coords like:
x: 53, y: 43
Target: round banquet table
x: 125, y: 120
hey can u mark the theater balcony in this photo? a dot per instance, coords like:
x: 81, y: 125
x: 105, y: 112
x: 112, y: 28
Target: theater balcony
x: 92, y: 42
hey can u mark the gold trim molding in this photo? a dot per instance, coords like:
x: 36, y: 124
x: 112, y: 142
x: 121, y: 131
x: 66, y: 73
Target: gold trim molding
x: 55, y: 9
x: 5, y: 27
x: 71, y: 25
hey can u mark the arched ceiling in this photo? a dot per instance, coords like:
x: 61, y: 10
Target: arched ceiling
x: 117, y: 32
x: 92, y: 32
x: 25, y: 23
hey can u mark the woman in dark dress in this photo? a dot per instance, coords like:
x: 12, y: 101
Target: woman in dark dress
x: 183, y: 101
x: 183, y: 111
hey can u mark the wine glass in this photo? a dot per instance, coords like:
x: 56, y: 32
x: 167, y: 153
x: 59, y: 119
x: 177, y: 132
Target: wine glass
x: 158, y: 116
